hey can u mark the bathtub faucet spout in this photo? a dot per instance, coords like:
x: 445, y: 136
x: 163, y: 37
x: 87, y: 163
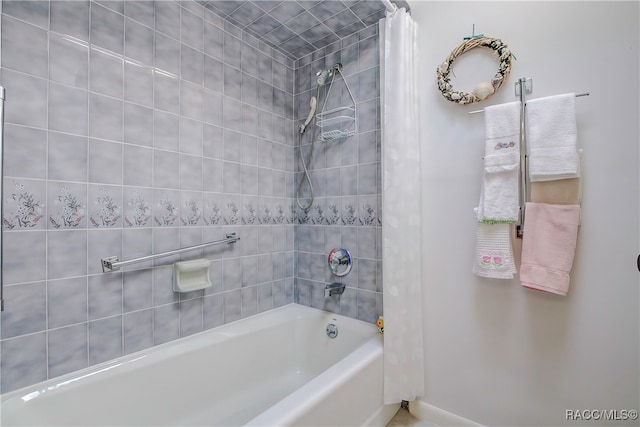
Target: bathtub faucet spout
x: 333, y: 289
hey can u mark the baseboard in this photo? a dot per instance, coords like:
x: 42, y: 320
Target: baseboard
x: 382, y: 416
x: 427, y: 412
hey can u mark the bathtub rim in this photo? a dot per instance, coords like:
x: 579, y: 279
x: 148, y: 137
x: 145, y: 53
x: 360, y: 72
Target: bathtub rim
x: 178, y: 346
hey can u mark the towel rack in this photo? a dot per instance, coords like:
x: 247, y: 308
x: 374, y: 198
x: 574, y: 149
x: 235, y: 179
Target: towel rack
x: 523, y: 86
x: 113, y: 263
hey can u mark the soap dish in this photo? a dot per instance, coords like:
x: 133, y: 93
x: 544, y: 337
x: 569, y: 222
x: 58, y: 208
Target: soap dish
x: 191, y: 275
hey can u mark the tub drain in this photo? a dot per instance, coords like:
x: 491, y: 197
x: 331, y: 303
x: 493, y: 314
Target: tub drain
x: 332, y: 330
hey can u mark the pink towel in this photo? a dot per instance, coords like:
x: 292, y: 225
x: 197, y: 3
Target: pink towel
x: 549, y: 246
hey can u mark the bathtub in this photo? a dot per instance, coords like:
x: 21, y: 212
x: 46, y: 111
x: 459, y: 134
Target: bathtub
x: 278, y: 368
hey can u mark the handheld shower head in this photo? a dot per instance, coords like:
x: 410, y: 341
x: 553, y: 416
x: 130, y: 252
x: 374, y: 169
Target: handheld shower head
x: 313, y: 103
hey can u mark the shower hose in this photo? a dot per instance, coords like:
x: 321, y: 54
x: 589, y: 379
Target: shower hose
x: 305, y: 168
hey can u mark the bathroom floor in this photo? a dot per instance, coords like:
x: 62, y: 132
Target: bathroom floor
x: 404, y: 418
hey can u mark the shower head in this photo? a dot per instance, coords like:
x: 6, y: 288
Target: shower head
x: 323, y: 74
x: 322, y: 77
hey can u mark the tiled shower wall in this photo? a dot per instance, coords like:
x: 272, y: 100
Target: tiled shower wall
x: 134, y: 128
x: 345, y: 174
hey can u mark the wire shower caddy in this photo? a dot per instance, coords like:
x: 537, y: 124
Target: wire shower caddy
x: 337, y: 122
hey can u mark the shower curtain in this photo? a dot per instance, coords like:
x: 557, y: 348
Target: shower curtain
x: 401, y: 208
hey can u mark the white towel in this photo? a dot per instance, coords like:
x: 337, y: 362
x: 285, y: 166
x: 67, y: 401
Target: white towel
x: 494, y: 256
x: 499, y: 195
x: 552, y: 138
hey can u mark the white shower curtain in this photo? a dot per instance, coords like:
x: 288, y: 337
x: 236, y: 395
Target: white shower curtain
x: 401, y: 209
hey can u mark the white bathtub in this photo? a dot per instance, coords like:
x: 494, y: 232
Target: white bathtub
x: 274, y: 369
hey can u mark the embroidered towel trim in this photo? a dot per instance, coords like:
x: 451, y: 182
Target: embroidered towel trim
x: 499, y: 193
x: 548, y: 246
x: 494, y: 256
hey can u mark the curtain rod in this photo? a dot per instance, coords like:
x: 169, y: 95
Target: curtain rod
x: 390, y: 6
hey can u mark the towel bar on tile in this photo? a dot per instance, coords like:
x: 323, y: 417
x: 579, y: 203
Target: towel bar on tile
x: 524, y: 85
x: 113, y: 263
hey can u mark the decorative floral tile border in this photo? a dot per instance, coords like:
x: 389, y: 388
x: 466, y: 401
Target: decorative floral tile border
x: 137, y: 210
x: 106, y: 211
x: 68, y: 208
x: 166, y: 210
x: 22, y: 208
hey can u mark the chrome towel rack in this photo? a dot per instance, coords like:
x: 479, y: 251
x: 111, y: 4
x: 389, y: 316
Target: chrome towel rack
x: 523, y: 86
x: 114, y: 264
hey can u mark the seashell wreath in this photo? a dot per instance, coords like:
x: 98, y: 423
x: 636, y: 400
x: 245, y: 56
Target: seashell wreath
x: 484, y: 89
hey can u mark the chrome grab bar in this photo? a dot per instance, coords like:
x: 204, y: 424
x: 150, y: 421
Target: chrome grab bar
x: 114, y: 264
x: 1, y: 196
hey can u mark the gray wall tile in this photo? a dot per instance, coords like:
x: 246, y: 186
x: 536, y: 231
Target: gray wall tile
x: 138, y: 331
x: 25, y: 152
x: 213, y: 311
x: 26, y: 99
x: 232, y: 306
x: 26, y: 260
x: 24, y: 361
x: 107, y: 29
x: 105, y: 339
x: 167, y: 18
x: 138, y: 124
x: 105, y: 295
x: 34, y: 12
x: 192, y: 30
x: 190, y: 136
x: 166, y: 93
x: 137, y: 290
x: 29, y: 308
x: 67, y: 301
x: 138, y: 165
x: 213, y: 141
x: 191, y: 100
x: 68, y: 60
x: 70, y: 18
x: 67, y: 349
x: 167, y: 54
x: 106, y: 75
x: 105, y: 161
x: 115, y: 5
x: 67, y: 157
x: 213, y: 74
x: 191, y: 64
x: 139, y: 84
x: 24, y: 47
x: 166, y: 323
x: 105, y: 117
x: 142, y: 12
x: 68, y: 109
x: 166, y: 130
x: 190, y: 316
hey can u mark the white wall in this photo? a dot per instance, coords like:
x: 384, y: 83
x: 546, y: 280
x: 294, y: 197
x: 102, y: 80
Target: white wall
x: 496, y: 353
